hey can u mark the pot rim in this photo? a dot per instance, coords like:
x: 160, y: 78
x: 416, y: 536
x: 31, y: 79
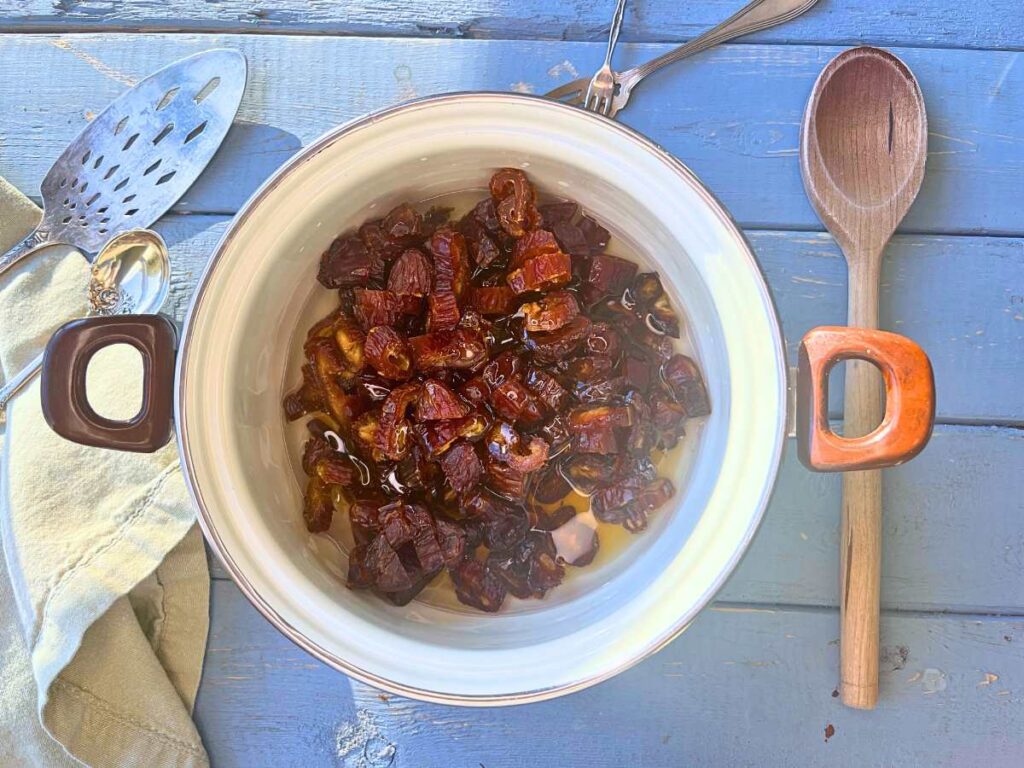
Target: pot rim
x: 206, y: 521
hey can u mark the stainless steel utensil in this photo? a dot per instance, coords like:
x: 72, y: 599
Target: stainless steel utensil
x: 137, y: 157
x: 131, y: 274
x: 758, y: 15
x: 601, y: 90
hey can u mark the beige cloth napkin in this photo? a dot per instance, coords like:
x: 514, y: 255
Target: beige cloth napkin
x: 104, y: 616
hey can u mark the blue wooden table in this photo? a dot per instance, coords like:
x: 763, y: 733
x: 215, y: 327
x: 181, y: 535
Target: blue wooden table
x: 752, y: 682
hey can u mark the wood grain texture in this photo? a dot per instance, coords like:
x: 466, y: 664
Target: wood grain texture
x: 732, y: 114
x: 992, y: 24
x: 741, y: 687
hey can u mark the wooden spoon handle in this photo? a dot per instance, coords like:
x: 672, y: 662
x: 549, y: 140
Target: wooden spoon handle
x: 861, y: 537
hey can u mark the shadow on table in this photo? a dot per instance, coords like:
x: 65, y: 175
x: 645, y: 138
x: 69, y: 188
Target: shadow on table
x: 251, y: 152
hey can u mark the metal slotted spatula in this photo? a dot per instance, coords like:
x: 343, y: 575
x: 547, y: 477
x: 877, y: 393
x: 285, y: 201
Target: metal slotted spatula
x: 134, y: 160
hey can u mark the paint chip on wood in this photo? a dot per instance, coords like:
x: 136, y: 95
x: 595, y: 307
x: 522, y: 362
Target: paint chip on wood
x: 988, y: 679
x: 563, y: 68
x: 362, y: 744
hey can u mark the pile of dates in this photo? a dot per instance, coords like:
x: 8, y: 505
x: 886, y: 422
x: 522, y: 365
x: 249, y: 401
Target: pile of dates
x: 475, y: 374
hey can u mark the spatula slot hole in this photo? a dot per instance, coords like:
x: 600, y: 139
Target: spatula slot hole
x: 129, y: 198
x: 66, y: 201
x: 207, y: 89
x: 163, y: 132
x: 165, y: 178
x: 120, y: 125
x: 92, y: 199
x: 63, y: 183
x: 103, y: 209
x: 195, y: 132
x: 104, y: 220
x: 98, y: 163
x: 151, y: 168
x: 86, y: 156
x: 111, y: 172
x: 131, y: 211
x: 131, y: 140
x: 121, y: 183
x: 65, y: 220
x: 167, y: 98
x: 83, y: 188
x: 102, y: 230
x: 74, y: 183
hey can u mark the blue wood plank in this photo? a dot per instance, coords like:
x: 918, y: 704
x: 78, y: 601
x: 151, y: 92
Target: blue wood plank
x: 992, y: 24
x: 741, y: 687
x: 732, y: 115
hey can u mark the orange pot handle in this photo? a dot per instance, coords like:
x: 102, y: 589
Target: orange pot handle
x: 909, y: 399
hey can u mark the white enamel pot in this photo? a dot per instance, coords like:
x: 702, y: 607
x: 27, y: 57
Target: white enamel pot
x: 244, y: 323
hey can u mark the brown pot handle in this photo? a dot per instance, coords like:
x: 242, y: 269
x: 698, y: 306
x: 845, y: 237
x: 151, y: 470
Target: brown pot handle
x: 909, y: 399
x: 65, y: 403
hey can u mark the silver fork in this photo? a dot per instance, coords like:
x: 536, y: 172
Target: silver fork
x: 753, y: 17
x: 601, y: 91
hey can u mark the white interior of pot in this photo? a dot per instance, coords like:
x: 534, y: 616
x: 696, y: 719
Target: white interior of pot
x: 247, y: 322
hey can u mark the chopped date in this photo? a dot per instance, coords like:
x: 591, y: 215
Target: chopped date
x: 317, y: 505
x: 439, y: 403
x: 336, y: 470
x: 609, y: 275
x: 596, y: 235
x: 586, y: 370
x: 476, y: 391
x: 541, y: 273
x: 374, y: 307
x: 403, y: 224
x: 345, y: 263
x: 387, y: 570
x: 462, y: 467
x: 571, y: 238
x: 514, y: 402
x: 502, y: 368
x: 491, y: 300
x: 359, y: 574
x: 411, y: 275
x: 682, y: 377
x: 551, y: 347
x: 388, y: 353
x: 546, y: 388
x: 505, y: 480
x: 444, y: 311
x: 531, y: 569
x: 393, y: 435
x: 460, y: 348
x: 451, y: 261
x: 477, y: 586
x: 596, y: 438
x: 474, y: 376
x: 586, y: 473
x: 540, y: 242
x: 550, y: 312
x: 562, y: 212
x: 551, y: 487
x: 438, y: 436
x: 515, y: 201
x: 646, y: 289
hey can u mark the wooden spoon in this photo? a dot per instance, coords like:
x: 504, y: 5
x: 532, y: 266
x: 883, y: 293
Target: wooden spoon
x: 862, y: 154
